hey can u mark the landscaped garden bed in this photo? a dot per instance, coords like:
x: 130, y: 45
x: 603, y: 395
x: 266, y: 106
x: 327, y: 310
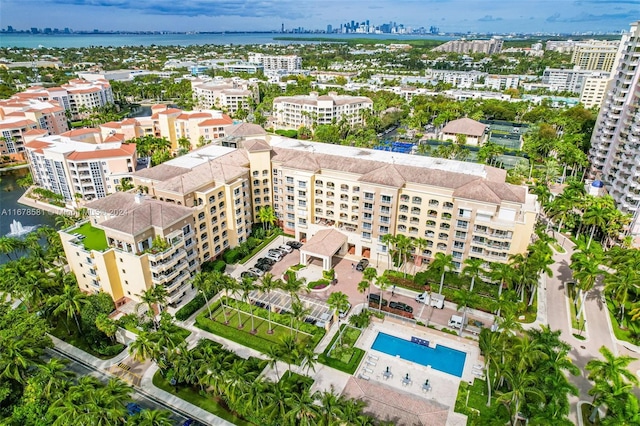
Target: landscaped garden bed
x: 341, y: 354
x: 472, y: 401
x: 260, y: 339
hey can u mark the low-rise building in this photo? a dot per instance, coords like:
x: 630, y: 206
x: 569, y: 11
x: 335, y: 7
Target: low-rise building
x: 489, y: 47
x: 229, y: 95
x: 594, y: 90
x: 472, y: 131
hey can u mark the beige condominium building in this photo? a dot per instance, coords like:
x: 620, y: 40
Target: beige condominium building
x: 276, y: 62
x: 338, y: 199
x: 292, y: 112
x: 596, y: 55
x: 131, y: 243
x: 80, y: 163
x: 229, y: 95
x: 78, y: 97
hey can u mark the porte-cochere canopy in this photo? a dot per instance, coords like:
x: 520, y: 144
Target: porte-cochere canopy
x: 324, y: 245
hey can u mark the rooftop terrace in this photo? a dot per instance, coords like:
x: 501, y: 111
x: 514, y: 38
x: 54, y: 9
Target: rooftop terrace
x: 94, y: 238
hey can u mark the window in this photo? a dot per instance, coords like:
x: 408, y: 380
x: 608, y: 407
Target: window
x: 368, y: 206
x: 212, y: 199
x: 386, y: 199
x: 368, y: 196
x: 416, y: 200
x: 464, y: 213
x: 384, y: 209
x: 201, y: 216
x: 463, y: 224
x: 366, y: 235
x: 383, y: 230
x: 289, y: 179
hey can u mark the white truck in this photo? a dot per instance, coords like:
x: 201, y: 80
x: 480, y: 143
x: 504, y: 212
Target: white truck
x: 435, y: 299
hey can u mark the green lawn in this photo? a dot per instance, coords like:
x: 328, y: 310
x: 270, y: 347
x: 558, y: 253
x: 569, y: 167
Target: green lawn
x: 345, y: 358
x: 206, y: 402
x: 94, y: 237
x: 261, y: 340
x: 631, y: 331
x: 472, y: 401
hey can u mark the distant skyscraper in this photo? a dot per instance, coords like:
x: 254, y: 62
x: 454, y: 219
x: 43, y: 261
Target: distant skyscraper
x: 10, y: 29
x: 282, y: 28
x: 615, y: 143
x: 329, y: 29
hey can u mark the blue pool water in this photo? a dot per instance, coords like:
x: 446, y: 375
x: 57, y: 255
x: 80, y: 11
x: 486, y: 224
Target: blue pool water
x: 441, y: 358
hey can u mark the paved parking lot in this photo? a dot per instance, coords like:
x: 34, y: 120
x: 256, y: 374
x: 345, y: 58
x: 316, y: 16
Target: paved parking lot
x: 348, y: 279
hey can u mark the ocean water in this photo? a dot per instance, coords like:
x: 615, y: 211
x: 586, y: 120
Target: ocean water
x: 86, y: 40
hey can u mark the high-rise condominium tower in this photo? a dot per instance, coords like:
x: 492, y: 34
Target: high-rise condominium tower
x: 615, y: 143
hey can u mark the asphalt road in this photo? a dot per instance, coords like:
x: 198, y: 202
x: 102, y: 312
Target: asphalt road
x: 144, y: 401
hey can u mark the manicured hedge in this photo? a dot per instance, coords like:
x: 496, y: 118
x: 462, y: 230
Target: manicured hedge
x: 190, y: 308
x: 214, y: 266
x: 231, y: 256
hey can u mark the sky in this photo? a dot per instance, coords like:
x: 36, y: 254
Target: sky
x: 504, y: 16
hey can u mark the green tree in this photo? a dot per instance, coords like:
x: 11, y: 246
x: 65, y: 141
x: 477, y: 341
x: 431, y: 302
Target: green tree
x: 69, y: 303
x: 441, y: 264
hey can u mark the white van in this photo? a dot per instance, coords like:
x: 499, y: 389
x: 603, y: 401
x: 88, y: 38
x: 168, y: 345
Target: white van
x: 435, y: 299
x: 455, y: 321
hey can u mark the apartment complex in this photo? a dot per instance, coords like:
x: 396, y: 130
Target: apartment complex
x: 568, y: 80
x: 78, y: 97
x: 615, y: 143
x: 276, y: 62
x: 130, y: 244
x: 80, y: 163
x: 595, y: 55
x: 292, y: 112
x: 594, y: 90
x: 462, y: 209
x: 227, y: 94
x: 199, y: 127
x: 460, y: 79
x: 471, y: 46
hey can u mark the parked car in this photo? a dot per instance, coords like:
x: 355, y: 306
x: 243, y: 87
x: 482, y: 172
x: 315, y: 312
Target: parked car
x: 264, y: 267
x: 342, y: 314
x: 294, y: 244
x: 248, y: 274
x: 362, y: 265
x: 374, y: 300
x: 285, y: 248
x: 133, y: 408
x: 256, y: 271
x: 265, y: 260
x: 276, y: 252
x: 401, y: 306
x: 276, y: 257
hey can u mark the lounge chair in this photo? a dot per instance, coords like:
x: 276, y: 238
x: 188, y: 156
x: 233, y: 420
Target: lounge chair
x: 368, y: 370
x: 373, y: 357
x: 364, y: 377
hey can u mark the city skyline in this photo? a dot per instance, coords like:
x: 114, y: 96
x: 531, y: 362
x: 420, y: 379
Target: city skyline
x: 559, y: 16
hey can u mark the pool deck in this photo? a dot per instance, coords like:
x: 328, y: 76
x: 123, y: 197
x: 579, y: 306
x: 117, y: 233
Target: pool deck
x: 444, y: 386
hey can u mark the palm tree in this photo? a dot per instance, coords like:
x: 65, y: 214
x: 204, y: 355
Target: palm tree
x: 69, y: 302
x: 298, y: 313
x: 389, y: 241
x: 247, y: 285
x: 586, y: 271
x: 54, y: 376
x: 472, y: 268
x: 151, y: 418
x: 267, y: 217
x: 204, y: 284
x: 441, y: 264
x: 522, y: 388
x: 107, y: 326
x: 464, y: 298
x: 293, y: 285
x: 626, y: 281
x: 144, y: 347
x: 489, y: 345
x: 268, y: 285
x: 613, y: 369
x: 303, y: 410
x: 8, y: 245
x: 383, y: 283
x: 338, y: 302
x: 148, y: 299
x: 274, y: 355
x: 501, y: 273
x: 160, y: 295
x: 363, y: 286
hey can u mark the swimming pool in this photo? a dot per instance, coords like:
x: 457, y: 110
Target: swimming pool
x: 440, y: 358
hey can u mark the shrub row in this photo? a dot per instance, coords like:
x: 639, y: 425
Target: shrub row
x: 190, y: 308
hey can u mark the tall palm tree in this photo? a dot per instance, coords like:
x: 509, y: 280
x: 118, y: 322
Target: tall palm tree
x: 363, y: 286
x: 626, y: 281
x: 148, y: 299
x: 472, y: 268
x: 204, y: 284
x: 267, y: 217
x: 522, y: 388
x: 70, y: 302
x: 612, y: 369
x: 383, y: 283
x: 247, y: 285
x: 303, y: 409
x: 267, y: 286
x: 389, y: 241
x: 586, y: 271
x: 294, y: 285
x: 274, y: 355
x: 441, y: 264
x: 54, y: 376
x: 463, y: 299
x: 489, y: 345
x: 9, y: 245
x: 298, y: 313
x: 108, y: 326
